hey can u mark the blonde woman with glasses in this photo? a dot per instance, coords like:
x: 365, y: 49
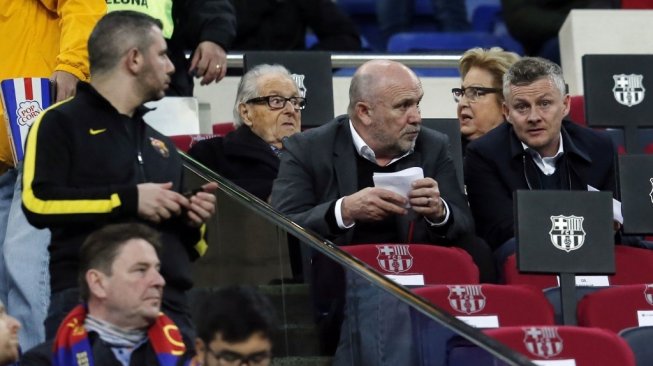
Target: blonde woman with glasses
x: 480, y: 95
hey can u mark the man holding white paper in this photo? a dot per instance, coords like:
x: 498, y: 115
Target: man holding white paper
x: 325, y: 183
x: 325, y: 180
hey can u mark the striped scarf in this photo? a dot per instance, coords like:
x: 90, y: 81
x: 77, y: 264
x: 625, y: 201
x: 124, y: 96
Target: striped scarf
x: 72, y: 347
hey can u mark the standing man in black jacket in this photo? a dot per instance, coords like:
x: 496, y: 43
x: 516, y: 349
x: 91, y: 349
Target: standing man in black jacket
x: 204, y: 27
x: 92, y: 161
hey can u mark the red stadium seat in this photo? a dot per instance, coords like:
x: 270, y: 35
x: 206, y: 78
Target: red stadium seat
x: 633, y: 266
x: 637, y: 4
x: 617, y: 308
x: 586, y: 346
x: 577, y: 109
x: 223, y: 128
x: 438, y: 265
x: 184, y: 142
x: 481, y: 305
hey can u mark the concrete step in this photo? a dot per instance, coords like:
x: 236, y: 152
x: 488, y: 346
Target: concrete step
x: 292, y: 302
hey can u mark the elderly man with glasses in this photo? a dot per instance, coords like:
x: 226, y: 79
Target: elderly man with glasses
x: 267, y: 110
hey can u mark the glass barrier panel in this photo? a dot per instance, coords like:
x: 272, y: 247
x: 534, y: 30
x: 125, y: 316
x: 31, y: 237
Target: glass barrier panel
x: 332, y: 309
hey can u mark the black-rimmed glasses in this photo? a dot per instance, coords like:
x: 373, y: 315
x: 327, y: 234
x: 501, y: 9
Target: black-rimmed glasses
x: 278, y: 102
x: 472, y: 93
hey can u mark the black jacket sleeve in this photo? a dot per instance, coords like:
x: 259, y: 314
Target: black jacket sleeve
x: 205, y: 20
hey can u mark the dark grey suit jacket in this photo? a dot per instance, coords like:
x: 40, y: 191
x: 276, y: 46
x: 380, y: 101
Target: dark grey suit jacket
x: 319, y: 166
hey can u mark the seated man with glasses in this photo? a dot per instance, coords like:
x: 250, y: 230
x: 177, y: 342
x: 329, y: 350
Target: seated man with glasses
x: 480, y: 96
x: 235, y: 327
x: 267, y: 110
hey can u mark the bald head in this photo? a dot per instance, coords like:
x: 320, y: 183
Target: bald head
x: 372, y: 78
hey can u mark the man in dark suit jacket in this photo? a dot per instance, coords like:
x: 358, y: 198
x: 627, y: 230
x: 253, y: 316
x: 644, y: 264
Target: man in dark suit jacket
x: 536, y: 149
x: 325, y: 184
x: 322, y: 169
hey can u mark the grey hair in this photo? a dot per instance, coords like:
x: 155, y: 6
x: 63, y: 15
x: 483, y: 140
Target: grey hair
x: 360, y: 89
x: 530, y: 69
x: 248, y: 86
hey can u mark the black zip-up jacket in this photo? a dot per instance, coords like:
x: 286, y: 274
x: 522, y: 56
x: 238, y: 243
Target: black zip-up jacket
x: 82, y: 164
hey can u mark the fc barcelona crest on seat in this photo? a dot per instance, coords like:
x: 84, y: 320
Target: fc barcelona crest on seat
x: 567, y: 232
x: 394, y: 258
x: 467, y: 299
x: 648, y: 293
x: 543, y: 341
x: 628, y: 89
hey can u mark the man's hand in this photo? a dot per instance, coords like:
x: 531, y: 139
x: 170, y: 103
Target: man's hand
x: 425, y: 199
x: 158, y: 202
x: 372, y: 204
x: 65, y: 84
x: 202, y: 205
x: 209, y: 62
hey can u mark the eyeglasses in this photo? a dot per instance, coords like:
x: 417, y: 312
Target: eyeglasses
x: 236, y: 359
x: 472, y: 93
x: 278, y: 102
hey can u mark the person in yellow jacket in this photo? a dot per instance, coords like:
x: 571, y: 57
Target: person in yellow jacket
x: 40, y: 38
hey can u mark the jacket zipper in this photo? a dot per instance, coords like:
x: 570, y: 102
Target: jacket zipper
x: 139, y: 152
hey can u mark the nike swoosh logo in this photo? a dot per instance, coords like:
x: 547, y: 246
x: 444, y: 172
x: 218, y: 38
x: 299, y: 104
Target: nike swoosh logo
x: 96, y: 132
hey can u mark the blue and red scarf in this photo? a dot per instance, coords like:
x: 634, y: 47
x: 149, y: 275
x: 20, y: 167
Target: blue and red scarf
x: 72, y: 347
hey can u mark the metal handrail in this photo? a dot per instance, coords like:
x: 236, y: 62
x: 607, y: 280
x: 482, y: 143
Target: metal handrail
x: 235, y: 60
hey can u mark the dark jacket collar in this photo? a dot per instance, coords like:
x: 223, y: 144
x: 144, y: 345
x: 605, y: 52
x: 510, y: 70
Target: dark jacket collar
x: 245, y: 143
x: 570, y: 148
x: 87, y: 91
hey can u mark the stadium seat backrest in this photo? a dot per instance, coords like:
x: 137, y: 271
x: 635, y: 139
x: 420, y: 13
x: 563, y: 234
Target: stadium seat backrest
x: 617, y: 308
x: 511, y: 304
x: 633, y: 266
x: 438, y: 265
x: 440, y: 41
x: 223, y: 128
x: 587, y: 346
x: 577, y: 109
x: 184, y: 142
x: 512, y: 276
x: 639, y: 340
x: 637, y: 4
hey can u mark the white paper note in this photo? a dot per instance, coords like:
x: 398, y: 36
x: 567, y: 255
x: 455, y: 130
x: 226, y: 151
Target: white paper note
x: 398, y: 182
x: 408, y: 280
x: 481, y: 321
x: 645, y: 318
x: 570, y: 362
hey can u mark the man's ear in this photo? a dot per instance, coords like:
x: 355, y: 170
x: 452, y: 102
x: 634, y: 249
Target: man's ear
x: 364, y: 113
x: 133, y: 60
x: 200, y: 348
x: 244, y: 111
x: 566, y: 101
x: 96, y: 283
x: 506, y: 114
